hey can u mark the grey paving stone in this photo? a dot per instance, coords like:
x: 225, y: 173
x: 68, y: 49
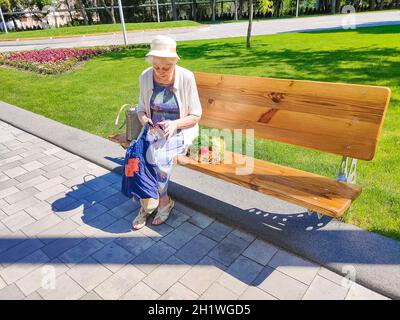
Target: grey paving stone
x: 48, y: 159
x: 195, y: 250
x: 24, y: 266
x: 7, y: 183
x: 294, y: 266
x: 260, y: 251
x: 113, y: 256
x: 54, y: 166
x: 185, y: 209
x: 323, y: 289
x: 201, y: 220
x: 334, y: 277
x: 89, y: 273
x: 20, y: 205
x: 90, y: 228
x: 30, y: 175
x: 34, y: 296
x: 135, y: 244
x: 141, y: 292
x: 182, y: 235
x: 240, y: 275
x: 10, y: 159
x: 119, y: 229
x: 70, y: 173
x: 253, y: 293
x: 60, y: 201
x: 80, y: 163
x: 57, y: 247
x: 39, y: 210
x: 97, y: 184
x: 48, y: 193
x: 15, y: 172
x: 18, y: 220
x: 157, y: 232
x: 9, y: 239
x: 11, y: 292
x: 114, y: 201
x: 50, y: 183
x: 41, y: 225
x: 100, y: 195
x: 217, y: 231
x: 165, y: 275
x: 280, y: 285
x: 32, y: 165
x: 125, y: 209
x: 229, y: 249
x: 120, y: 283
x: 65, y: 289
x: 8, y: 191
x: 176, y: 218
x: 81, y: 251
x: 92, y: 213
x: 20, y: 250
x: 91, y: 296
x: 31, y: 182
x: 243, y: 235
x: 13, y: 168
x: 57, y: 231
x: 151, y: 258
x: 201, y: 276
x: 357, y: 292
x: 218, y: 292
x: 21, y: 195
x: 41, y: 276
x: 179, y: 292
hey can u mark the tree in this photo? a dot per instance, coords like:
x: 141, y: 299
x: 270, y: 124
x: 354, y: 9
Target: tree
x: 264, y: 6
x: 110, y: 11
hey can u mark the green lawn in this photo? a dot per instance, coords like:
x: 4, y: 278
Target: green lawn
x: 90, y: 97
x: 100, y: 28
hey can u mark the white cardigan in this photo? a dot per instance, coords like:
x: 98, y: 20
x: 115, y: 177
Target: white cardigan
x: 185, y: 89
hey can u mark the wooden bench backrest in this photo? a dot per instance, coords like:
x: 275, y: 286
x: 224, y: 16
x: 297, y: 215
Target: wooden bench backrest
x: 344, y: 119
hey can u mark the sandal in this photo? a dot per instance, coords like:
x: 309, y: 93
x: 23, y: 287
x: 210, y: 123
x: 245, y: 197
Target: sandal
x: 163, y: 213
x: 140, y: 221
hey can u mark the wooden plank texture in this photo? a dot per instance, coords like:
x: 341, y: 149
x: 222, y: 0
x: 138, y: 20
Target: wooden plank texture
x: 344, y: 119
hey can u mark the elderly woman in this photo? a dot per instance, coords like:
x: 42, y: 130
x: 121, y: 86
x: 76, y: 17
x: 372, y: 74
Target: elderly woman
x: 169, y: 101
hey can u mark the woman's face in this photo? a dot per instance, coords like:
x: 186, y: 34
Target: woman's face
x: 163, y: 68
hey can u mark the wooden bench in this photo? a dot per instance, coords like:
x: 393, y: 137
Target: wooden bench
x: 343, y: 119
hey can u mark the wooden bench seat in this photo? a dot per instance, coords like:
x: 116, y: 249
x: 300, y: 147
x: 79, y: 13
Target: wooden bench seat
x: 315, y: 192
x: 338, y: 118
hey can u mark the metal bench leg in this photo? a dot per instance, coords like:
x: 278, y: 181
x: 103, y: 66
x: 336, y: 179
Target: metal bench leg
x: 347, y: 170
x: 319, y: 215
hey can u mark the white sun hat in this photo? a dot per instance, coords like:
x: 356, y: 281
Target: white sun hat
x: 163, y: 46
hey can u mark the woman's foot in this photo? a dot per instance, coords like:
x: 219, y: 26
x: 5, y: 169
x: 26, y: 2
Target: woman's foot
x: 163, y: 211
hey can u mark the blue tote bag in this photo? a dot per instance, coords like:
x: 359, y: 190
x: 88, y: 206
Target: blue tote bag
x: 139, y: 179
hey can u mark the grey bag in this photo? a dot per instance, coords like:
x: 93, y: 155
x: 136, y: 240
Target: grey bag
x: 133, y: 124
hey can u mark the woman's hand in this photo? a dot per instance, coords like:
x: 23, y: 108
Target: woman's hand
x: 169, y: 127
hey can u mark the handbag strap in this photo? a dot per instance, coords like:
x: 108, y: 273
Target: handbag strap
x: 119, y: 112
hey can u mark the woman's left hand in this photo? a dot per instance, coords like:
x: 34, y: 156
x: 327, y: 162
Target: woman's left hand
x: 169, y: 126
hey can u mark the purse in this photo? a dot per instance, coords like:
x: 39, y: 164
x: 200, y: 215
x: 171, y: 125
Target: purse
x: 133, y: 124
x: 139, y: 179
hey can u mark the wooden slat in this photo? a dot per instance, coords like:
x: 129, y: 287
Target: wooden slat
x: 306, y: 189
x: 343, y: 119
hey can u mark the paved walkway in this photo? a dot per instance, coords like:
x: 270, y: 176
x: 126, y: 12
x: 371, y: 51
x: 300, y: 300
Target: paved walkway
x: 65, y: 234
x: 212, y: 31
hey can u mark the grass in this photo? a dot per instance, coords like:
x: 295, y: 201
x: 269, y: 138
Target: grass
x: 89, y: 98
x: 99, y: 28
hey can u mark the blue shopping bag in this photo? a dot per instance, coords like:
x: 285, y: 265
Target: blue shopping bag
x: 139, y: 178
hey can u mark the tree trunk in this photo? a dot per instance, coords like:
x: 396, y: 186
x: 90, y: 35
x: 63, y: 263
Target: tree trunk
x: 194, y: 10
x: 213, y: 10
x: 236, y: 9
x: 173, y: 5
x: 82, y: 10
x: 69, y: 11
x: 241, y: 8
x: 110, y: 12
x: 250, y: 22
x: 333, y: 7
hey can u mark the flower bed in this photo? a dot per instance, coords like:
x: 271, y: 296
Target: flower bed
x: 52, y: 61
